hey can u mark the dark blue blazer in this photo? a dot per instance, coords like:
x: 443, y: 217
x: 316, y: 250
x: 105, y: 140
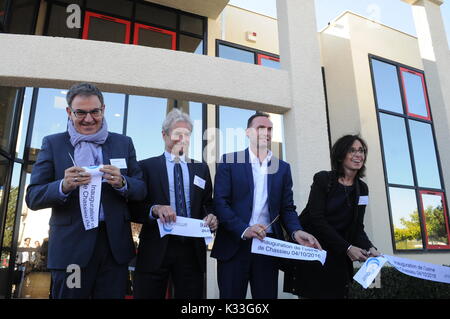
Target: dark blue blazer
x: 69, y: 242
x: 233, y: 201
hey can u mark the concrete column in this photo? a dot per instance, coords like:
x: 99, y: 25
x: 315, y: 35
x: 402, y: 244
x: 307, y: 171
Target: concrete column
x: 305, y: 124
x: 435, y: 54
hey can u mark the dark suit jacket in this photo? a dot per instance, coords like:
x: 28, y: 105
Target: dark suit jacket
x: 152, y: 248
x: 69, y: 242
x: 233, y: 201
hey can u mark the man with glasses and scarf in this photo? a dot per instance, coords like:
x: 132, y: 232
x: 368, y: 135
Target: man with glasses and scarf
x: 97, y: 250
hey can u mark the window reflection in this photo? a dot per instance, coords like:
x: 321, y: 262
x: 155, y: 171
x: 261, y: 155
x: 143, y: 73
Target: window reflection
x: 8, y: 225
x: 146, y: 130
x: 190, y: 44
x: 114, y: 111
x: 145, y: 117
x: 196, y: 144
x: 191, y: 24
x: 154, y: 15
x: 105, y: 28
x: 2, y: 14
x: 8, y: 96
x: 396, y: 150
x: 415, y: 94
x: 269, y: 62
x: 120, y: 7
x: 231, y: 53
x: 405, y: 217
x: 232, y: 126
x: 57, y: 23
x: 23, y: 124
x: 50, y: 117
x: 32, y: 278
x: 154, y: 37
x: 424, y: 154
x: 387, y: 87
x: 434, y: 212
x: 22, y: 16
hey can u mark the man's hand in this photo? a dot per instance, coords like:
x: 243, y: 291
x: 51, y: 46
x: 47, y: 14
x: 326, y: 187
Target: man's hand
x: 257, y: 230
x: 211, y: 221
x: 165, y: 213
x: 113, y: 176
x: 306, y: 239
x: 73, y: 177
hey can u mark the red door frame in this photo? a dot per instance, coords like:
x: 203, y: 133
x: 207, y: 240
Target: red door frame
x: 267, y: 57
x: 89, y: 15
x: 138, y: 26
x: 425, y: 94
x: 441, y: 194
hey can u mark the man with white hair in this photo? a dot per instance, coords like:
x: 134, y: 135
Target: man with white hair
x: 178, y: 186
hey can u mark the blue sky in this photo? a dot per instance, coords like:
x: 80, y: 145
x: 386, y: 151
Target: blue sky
x: 394, y: 13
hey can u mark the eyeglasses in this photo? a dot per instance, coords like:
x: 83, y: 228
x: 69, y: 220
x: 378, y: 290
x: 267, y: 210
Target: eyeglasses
x: 360, y: 150
x: 95, y: 113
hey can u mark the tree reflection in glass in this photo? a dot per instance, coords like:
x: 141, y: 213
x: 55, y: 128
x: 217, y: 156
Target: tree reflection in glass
x: 435, y: 222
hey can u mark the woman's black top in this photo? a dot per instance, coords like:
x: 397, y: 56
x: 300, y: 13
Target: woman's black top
x: 335, y: 217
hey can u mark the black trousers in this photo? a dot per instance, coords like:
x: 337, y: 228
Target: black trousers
x: 102, y: 278
x: 181, y: 265
x: 243, y: 268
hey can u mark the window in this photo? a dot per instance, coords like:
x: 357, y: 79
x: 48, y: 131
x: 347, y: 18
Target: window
x: 8, y: 100
x: 106, y: 28
x: 130, y: 22
x: 22, y: 16
x: 123, y: 8
x: 2, y: 14
x: 191, y: 24
x: 245, y: 54
x: 236, y: 54
x: 416, y: 100
x: 154, y: 37
x: 396, y: 150
x: 435, y: 220
x: 269, y: 61
x: 146, y: 130
x: 156, y: 16
x: 114, y: 111
x: 387, y: 86
x: 416, y: 195
x: 6, y: 224
x: 57, y: 23
x: 191, y: 44
x: 232, y: 126
x: 23, y: 124
x: 424, y: 151
x: 405, y: 218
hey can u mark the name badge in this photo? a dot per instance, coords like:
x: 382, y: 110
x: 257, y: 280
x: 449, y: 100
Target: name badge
x: 118, y: 162
x: 363, y: 200
x: 200, y: 182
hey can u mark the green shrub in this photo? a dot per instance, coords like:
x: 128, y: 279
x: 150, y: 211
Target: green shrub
x: 396, y: 285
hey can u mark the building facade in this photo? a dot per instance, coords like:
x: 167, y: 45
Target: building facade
x: 220, y: 63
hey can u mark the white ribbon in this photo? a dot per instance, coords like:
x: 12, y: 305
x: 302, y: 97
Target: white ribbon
x: 90, y: 195
x: 283, y: 249
x: 188, y: 227
x: 418, y: 269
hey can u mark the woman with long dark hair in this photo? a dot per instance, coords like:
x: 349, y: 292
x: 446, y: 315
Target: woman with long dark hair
x: 335, y: 216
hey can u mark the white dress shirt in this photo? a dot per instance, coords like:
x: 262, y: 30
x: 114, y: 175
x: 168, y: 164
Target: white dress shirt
x: 260, y: 208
